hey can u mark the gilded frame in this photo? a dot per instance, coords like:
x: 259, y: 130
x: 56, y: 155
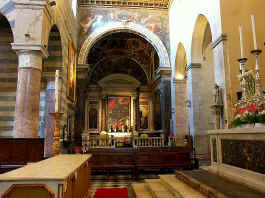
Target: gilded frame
x: 71, y: 72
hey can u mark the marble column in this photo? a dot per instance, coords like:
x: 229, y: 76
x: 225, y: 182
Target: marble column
x: 165, y: 98
x: 26, y: 124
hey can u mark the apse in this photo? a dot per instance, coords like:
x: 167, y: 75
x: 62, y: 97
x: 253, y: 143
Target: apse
x: 119, y: 85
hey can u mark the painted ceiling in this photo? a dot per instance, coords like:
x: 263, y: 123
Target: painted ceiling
x: 127, y: 3
x: 124, y: 53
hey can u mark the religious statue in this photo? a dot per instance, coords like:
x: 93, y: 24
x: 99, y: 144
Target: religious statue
x: 216, y: 94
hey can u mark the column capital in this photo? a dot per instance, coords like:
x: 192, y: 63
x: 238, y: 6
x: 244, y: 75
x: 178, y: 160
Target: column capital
x: 24, y: 47
x: 164, y: 72
x: 221, y: 38
x: 193, y: 65
x: 30, y: 56
x: 177, y: 81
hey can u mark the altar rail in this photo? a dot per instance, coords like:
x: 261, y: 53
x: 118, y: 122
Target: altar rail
x: 136, y: 142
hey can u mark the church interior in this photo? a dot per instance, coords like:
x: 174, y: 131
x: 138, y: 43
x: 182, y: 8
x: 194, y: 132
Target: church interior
x: 132, y: 99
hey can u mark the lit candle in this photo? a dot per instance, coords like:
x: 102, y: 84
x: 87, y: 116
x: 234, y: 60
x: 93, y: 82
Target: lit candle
x: 57, y: 91
x: 241, y: 41
x: 254, y: 32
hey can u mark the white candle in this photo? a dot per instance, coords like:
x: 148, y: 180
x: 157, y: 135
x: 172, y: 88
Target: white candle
x: 57, y: 91
x: 241, y: 41
x: 254, y: 32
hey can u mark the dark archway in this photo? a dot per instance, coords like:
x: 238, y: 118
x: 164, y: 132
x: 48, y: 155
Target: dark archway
x: 47, y: 102
x: 8, y: 78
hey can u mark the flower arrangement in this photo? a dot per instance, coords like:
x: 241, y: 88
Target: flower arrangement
x: 249, y: 111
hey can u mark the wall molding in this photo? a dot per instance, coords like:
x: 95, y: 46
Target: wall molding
x: 219, y: 40
x: 193, y: 65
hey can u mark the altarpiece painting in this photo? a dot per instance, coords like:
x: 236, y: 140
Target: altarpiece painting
x: 71, y: 77
x: 119, y: 113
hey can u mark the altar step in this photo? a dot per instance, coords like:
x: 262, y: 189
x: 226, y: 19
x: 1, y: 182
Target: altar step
x: 214, y: 186
x: 168, y: 186
x: 193, y: 184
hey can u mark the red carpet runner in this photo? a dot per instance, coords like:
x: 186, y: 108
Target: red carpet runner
x: 111, y: 193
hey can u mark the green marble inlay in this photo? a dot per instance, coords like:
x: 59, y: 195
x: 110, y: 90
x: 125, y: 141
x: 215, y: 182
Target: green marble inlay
x: 246, y: 154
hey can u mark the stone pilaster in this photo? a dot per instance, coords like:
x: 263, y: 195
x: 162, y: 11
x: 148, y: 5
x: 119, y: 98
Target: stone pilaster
x: 49, y: 120
x: 26, y: 124
x: 165, y: 97
x: 222, y: 78
x: 181, y: 116
x: 137, y: 109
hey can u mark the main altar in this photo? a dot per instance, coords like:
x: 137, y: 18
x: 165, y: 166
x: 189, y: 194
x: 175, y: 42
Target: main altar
x: 118, y: 108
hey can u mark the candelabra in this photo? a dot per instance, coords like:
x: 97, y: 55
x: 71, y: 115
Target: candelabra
x: 258, y: 86
x: 245, y: 93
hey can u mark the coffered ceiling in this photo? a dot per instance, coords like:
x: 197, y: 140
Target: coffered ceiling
x: 127, y: 3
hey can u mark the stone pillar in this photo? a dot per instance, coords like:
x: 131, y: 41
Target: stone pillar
x: 165, y: 97
x: 137, y: 110
x: 181, y: 117
x: 222, y: 78
x: 26, y: 124
x: 151, y: 113
x: 104, y: 113
x: 49, y: 120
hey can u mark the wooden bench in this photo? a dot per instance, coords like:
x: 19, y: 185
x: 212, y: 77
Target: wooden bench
x: 17, y: 152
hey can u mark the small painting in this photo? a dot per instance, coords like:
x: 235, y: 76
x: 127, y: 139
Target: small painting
x: 71, y: 77
x: 119, y: 113
x: 144, y: 114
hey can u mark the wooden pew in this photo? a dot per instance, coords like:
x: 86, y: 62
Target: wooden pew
x: 17, y: 152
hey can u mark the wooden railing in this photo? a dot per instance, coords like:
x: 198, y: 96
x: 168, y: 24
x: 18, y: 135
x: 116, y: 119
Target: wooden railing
x: 98, y: 142
x: 149, y: 142
x: 136, y: 142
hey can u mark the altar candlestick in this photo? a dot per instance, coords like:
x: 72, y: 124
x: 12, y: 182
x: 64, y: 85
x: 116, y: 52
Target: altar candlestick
x: 57, y: 91
x: 254, y: 32
x: 241, y: 41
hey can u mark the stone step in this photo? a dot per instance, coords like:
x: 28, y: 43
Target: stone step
x: 214, y: 186
x: 157, y: 189
x: 178, y: 188
x: 141, y: 191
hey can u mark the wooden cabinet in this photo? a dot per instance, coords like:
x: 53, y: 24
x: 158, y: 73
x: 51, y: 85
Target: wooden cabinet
x: 63, y: 176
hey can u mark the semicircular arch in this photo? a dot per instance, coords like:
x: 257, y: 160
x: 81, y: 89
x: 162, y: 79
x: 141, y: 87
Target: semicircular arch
x: 153, y: 39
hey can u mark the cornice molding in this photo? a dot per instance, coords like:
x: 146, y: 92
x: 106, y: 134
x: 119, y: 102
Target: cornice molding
x: 193, y: 65
x: 220, y: 39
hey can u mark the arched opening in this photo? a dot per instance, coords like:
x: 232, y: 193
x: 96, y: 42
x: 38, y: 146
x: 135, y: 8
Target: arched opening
x: 181, y: 92
x: 133, y: 28
x: 8, y: 78
x: 202, y: 90
x: 119, y: 84
x: 47, y: 97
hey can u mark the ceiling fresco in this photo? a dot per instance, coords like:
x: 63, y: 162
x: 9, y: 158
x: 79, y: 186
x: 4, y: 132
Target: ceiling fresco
x: 124, y: 53
x: 118, y: 65
x: 127, y: 3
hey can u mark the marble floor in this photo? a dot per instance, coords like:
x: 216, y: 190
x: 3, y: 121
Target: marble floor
x: 121, y: 179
